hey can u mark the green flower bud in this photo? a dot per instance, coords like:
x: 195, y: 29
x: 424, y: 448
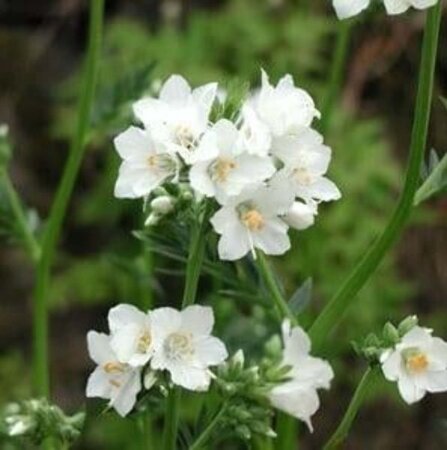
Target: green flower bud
x: 390, y: 334
x: 407, y: 324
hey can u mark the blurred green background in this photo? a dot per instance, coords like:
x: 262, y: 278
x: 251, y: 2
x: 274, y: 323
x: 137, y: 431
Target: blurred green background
x: 100, y: 264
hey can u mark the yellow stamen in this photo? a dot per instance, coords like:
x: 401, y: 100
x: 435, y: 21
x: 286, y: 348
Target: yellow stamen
x: 417, y: 363
x: 221, y: 169
x: 144, y: 342
x: 303, y: 176
x: 253, y: 220
x: 115, y: 383
x: 114, y: 367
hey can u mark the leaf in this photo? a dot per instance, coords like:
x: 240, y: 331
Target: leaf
x: 436, y: 181
x: 302, y: 297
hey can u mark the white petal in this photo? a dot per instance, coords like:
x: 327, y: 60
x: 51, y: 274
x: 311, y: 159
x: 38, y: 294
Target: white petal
x: 409, y: 391
x: 127, y: 394
x: 124, y: 314
x: 272, y: 239
x: 277, y: 199
x: 312, y: 371
x: 423, y: 4
x: 417, y: 337
x: 192, y: 378
x: 210, y: 351
x: 207, y: 150
x: 205, y: 95
x: 296, y: 342
x: 324, y: 190
x: 99, y: 347
x: 234, y: 243
x: 200, y: 179
x: 164, y: 321
x: 134, y: 142
x: 98, y: 384
x: 175, y: 90
x: 125, y: 344
x: 198, y: 319
x: 438, y: 351
x: 392, y: 365
x: 298, y: 402
x: 151, y: 112
x: 224, y: 219
x: 396, y: 6
x: 227, y: 135
x: 350, y: 8
x: 436, y: 381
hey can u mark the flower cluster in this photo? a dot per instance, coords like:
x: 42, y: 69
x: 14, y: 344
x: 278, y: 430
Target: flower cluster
x: 350, y: 8
x: 142, y: 344
x: 265, y: 171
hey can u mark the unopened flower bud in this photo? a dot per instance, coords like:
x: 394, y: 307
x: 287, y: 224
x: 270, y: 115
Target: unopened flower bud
x: 301, y: 216
x: 150, y: 379
x: 152, y: 220
x: 162, y: 205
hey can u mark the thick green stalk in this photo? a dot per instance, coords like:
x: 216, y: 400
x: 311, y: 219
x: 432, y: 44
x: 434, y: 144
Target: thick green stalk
x: 59, y: 207
x: 208, y: 431
x: 193, y: 268
x: 336, y: 74
x: 29, y: 241
x: 269, y: 279
x: 368, y: 379
x: 334, y: 311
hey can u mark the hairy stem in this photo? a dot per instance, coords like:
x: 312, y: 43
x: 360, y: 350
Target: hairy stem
x: 63, y: 194
x: 208, y: 431
x: 30, y: 243
x: 270, y: 282
x: 334, y: 311
x: 368, y: 379
x: 193, y: 268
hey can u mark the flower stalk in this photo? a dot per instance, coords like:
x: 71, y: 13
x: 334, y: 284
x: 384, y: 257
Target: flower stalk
x: 337, y: 306
x: 369, y: 378
x: 336, y: 74
x: 63, y: 194
x: 208, y: 431
x: 278, y: 298
x: 193, y: 268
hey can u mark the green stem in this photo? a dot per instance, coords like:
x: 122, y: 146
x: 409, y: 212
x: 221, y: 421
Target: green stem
x: 29, y: 241
x: 333, y: 312
x: 335, y: 81
x: 193, y: 268
x: 287, y: 432
x: 272, y: 286
x: 368, y: 379
x: 208, y: 431
x: 59, y: 207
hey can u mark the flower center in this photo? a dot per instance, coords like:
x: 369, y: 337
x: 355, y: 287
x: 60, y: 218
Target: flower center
x: 416, y: 362
x: 144, y: 342
x: 178, y: 346
x: 184, y: 137
x: 253, y: 220
x: 160, y: 163
x: 303, y: 176
x: 114, y: 367
x: 220, y: 169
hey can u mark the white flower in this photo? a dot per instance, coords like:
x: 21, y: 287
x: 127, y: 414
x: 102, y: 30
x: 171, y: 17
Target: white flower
x: 306, y: 159
x: 400, y: 6
x: 221, y: 170
x: 285, y: 109
x: 185, y: 346
x: 298, y: 397
x: 146, y: 163
x: 179, y: 116
x: 418, y: 364
x: 349, y: 8
x: 112, y: 380
x: 252, y: 220
x: 132, y: 339
x: 301, y: 215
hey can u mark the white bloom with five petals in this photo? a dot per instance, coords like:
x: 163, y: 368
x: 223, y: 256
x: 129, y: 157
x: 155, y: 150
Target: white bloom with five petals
x: 221, y: 170
x: 285, y: 109
x: 253, y: 220
x: 132, y: 339
x: 185, y: 347
x: 146, y: 163
x: 179, y: 116
x: 298, y: 396
x: 418, y: 364
x: 306, y: 160
x: 112, y: 380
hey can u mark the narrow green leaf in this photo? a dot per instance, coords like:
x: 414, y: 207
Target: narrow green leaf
x: 302, y: 297
x: 436, y: 181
